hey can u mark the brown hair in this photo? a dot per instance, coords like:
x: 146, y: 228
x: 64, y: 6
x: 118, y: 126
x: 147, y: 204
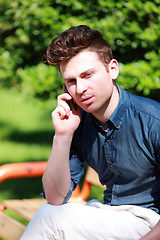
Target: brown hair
x: 75, y: 39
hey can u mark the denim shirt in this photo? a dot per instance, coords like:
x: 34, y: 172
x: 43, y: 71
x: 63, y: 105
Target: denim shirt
x: 126, y: 157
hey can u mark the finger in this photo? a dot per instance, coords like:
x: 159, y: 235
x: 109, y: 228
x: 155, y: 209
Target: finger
x: 54, y: 114
x: 60, y: 112
x: 64, y: 96
x: 65, y: 106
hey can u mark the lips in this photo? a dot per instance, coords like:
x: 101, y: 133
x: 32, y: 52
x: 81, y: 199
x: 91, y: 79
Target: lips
x: 87, y: 100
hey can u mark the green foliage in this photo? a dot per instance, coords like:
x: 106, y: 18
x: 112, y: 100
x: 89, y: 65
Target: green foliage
x: 41, y: 80
x: 131, y: 28
x: 141, y: 76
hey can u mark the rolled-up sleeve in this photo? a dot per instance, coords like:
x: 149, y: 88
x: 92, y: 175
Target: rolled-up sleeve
x: 76, y: 170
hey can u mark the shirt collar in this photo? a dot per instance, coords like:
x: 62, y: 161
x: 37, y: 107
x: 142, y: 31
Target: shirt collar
x: 118, y: 114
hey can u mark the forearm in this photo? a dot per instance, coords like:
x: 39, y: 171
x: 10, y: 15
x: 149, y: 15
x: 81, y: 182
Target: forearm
x: 154, y: 234
x: 56, y: 179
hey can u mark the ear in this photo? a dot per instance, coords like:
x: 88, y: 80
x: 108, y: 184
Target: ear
x: 114, y: 69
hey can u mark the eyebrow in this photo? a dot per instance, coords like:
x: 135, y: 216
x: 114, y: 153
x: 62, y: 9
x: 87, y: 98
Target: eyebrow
x: 88, y: 70
x: 81, y: 74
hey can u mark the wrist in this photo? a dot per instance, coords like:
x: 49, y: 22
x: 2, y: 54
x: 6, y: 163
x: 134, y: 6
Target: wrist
x: 63, y: 138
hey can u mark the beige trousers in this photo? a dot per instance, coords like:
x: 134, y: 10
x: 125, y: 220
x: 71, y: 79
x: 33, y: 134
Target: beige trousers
x: 97, y: 221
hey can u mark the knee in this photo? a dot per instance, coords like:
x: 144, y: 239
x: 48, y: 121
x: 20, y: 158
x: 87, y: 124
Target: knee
x: 47, y: 212
x: 44, y: 225
x: 52, y: 214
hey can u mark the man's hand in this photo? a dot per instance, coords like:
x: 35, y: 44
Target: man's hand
x: 64, y: 119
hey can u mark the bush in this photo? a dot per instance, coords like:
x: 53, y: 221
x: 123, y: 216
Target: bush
x: 141, y: 77
x: 131, y: 28
x: 41, y: 80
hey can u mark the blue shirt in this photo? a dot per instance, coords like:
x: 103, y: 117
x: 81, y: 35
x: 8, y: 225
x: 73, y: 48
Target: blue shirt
x: 127, y: 156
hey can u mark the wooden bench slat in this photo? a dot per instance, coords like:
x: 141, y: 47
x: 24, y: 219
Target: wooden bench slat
x: 26, y: 208
x: 77, y: 200
x: 10, y: 228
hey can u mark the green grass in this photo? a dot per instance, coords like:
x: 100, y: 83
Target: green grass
x: 26, y: 128
x: 26, y: 134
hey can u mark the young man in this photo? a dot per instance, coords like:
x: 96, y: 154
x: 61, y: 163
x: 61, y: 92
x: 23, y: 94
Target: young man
x: 114, y: 132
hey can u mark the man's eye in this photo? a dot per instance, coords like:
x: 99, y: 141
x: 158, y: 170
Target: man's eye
x: 71, y: 81
x: 88, y: 75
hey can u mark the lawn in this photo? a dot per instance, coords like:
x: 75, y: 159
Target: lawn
x: 26, y: 127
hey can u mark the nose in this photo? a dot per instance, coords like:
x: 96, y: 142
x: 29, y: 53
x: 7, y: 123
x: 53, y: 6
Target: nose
x: 81, y: 86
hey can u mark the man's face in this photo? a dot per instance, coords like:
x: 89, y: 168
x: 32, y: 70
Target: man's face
x: 88, y: 81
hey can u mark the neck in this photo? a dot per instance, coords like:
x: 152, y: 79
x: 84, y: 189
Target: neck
x: 104, y: 114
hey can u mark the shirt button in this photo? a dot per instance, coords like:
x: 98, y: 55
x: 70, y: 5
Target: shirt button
x: 115, y: 196
x: 110, y: 162
x: 107, y: 140
x: 118, y: 124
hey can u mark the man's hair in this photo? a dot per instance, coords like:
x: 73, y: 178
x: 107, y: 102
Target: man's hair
x: 75, y: 39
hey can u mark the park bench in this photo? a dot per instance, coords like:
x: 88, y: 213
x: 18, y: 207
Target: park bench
x: 10, y: 228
